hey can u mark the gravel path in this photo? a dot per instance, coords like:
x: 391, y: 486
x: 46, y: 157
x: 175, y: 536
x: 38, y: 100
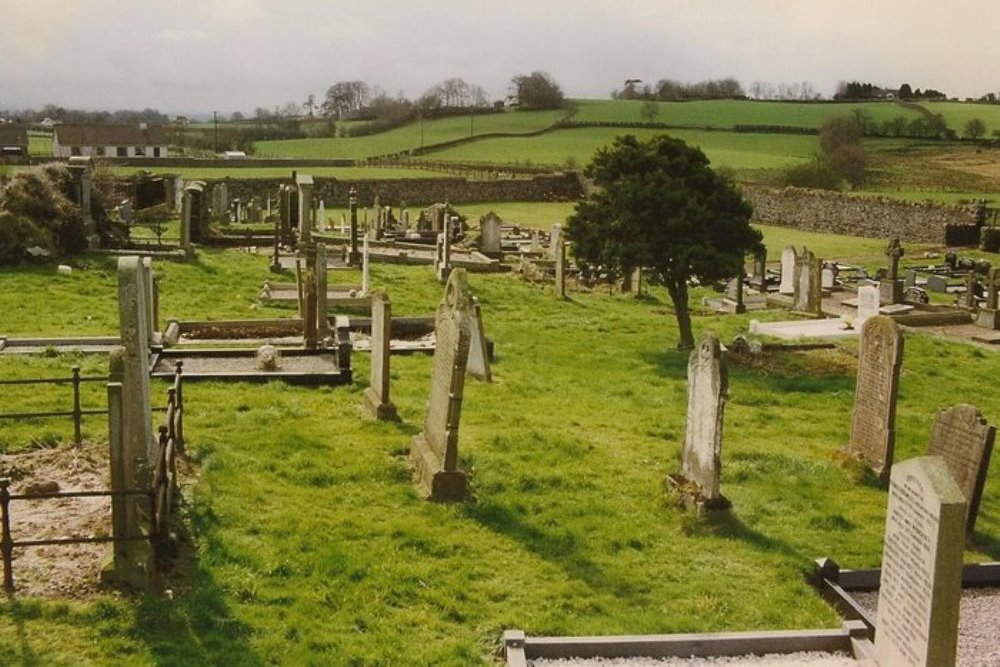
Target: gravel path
x: 978, y: 625
x: 810, y: 659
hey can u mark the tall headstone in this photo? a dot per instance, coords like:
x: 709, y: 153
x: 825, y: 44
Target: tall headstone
x: 489, y: 234
x: 787, y: 285
x: 321, y: 216
x: 322, y: 317
x: 708, y: 381
x: 377, y: 393
x: 561, y: 270
x: 891, y: 288
x: 555, y: 239
x: 964, y: 440
x: 989, y: 315
x: 920, y: 586
x: 808, y: 295
x: 353, y: 258
x: 365, y: 268
x: 443, y: 264
x: 134, y: 291
x: 868, y: 301
x: 304, y: 184
x: 873, y: 424
x: 479, y: 358
x: 758, y: 279
x: 435, y: 450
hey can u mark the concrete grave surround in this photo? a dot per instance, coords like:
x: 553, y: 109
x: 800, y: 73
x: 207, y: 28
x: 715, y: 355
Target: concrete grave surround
x: 787, y: 285
x: 435, y: 450
x: 377, y: 393
x: 873, y: 423
x: 708, y: 381
x: 964, y: 440
x: 868, y: 301
x: 921, y: 581
x: 479, y: 359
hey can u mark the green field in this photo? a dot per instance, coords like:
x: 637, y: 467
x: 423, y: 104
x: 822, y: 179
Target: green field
x: 342, y: 173
x: 39, y: 143
x: 957, y: 114
x: 409, y: 136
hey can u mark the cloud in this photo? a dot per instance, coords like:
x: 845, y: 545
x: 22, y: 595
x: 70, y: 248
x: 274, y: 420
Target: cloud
x: 174, y: 35
x: 31, y: 29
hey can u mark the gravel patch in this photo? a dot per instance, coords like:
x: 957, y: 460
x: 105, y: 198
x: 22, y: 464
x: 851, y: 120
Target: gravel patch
x: 806, y: 659
x: 978, y: 625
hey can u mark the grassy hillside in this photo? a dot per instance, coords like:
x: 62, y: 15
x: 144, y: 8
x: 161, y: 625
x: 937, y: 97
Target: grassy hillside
x: 957, y: 114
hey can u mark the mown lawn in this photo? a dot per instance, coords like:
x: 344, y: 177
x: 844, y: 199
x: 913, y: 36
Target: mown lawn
x: 307, y: 544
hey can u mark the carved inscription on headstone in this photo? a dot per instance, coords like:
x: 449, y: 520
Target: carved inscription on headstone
x: 873, y: 424
x: 435, y: 451
x: 921, y: 580
x: 965, y: 441
x: 708, y: 380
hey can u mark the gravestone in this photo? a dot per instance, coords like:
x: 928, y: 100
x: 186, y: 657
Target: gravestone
x: 443, y: 264
x: 489, y: 234
x: 920, y: 585
x: 807, y: 296
x: 788, y: 257
x: 377, y: 394
x: 828, y: 279
x: 964, y: 440
x: 868, y: 301
x: 435, y: 450
x: 989, y: 315
x: 555, y: 239
x: 478, y: 365
x: 873, y: 423
x: 353, y: 257
x: 321, y: 216
x: 708, y: 381
x: 365, y: 267
x: 322, y: 318
x: 891, y: 289
x: 936, y: 283
x: 304, y: 185
x: 561, y: 270
x: 758, y: 278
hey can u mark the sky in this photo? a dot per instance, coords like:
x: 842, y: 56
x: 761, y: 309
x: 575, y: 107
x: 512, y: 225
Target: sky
x: 200, y: 56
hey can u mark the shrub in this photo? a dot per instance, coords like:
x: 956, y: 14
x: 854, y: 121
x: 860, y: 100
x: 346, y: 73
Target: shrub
x: 989, y: 239
x: 38, y: 212
x: 817, y: 174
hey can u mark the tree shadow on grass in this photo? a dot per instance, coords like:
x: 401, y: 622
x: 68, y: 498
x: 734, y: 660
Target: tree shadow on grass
x: 668, y: 363
x: 988, y: 544
x: 20, y: 614
x: 727, y: 525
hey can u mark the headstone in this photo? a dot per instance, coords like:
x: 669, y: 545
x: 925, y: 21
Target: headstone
x: 444, y: 263
x: 321, y: 216
x: 868, y: 301
x: 758, y: 279
x: 353, y: 257
x: 708, y: 381
x: 322, y: 317
x: 561, y: 270
x: 989, y: 315
x: 807, y: 297
x: 304, y: 183
x: 964, y: 440
x: 489, y: 234
x: 365, y: 268
x: 873, y: 424
x: 435, y: 450
x: 479, y: 359
x: 936, y: 283
x: 536, y: 245
x: 555, y: 238
x: 377, y: 393
x: 828, y: 280
x: 343, y: 224
x: 910, y: 278
x: 788, y: 257
x: 920, y: 585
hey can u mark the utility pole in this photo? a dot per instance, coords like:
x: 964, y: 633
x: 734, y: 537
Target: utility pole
x: 215, y: 117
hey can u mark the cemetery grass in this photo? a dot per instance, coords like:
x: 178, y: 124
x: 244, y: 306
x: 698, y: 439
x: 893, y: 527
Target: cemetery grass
x: 304, y: 541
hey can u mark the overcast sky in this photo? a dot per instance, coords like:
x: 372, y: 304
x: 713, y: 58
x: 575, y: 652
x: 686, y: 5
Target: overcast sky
x: 185, y: 56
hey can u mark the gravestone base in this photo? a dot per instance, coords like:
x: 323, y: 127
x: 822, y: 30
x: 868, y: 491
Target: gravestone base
x: 988, y: 319
x: 693, y: 499
x: 890, y: 291
x: 379, y: 409
x: 136, y: 575
x: 434, y: 481
x: 730, y: 306
x: 443, y: 273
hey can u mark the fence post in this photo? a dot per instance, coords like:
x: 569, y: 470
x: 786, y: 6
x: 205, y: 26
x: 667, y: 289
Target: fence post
x: 76, y: 405
x: 6, y: 541
x: 179, y: 405
x: 119, y: 502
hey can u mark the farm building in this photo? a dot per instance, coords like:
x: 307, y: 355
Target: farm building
x: 13, y: 140
x: 109, y: 141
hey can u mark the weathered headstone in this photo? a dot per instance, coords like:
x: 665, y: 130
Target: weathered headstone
x: 964, y: 440
x: 489, y: 234
x: 708, y: 381
x: 788, y: 257
x: 828, y: 279
x: 443, y: 264
x: 435, y: 450
x: 868, y: 301
x: 322, y: 317
x: 936, y: 283
x: 321, y: 216
x: 561, y: 270
x: 365, y: 267
x: 989, y: 315
x: 377, y: 393
x: 920, y: 585
x: 808, y: 296
x: 555, y: 239
x: 873, y: 424
x: 758, y: 278
x: 479, y: 359
x: 304, y: 183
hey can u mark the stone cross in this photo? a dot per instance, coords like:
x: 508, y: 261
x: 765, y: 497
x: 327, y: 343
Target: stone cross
x: 435, y: 450
x: 921, y: 579
x: 708, y: 381
x: 894, y: 251
x: 873, y: 423
x: 479, y: 359
x: 964, y: 440
x: 377, y: 394
x: 788, y: 257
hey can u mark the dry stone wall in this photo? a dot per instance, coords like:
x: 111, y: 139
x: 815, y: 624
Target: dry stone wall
x: 873, y: 217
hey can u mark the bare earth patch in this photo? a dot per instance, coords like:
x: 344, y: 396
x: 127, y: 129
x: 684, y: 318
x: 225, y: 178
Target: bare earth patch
x: 69, y: 570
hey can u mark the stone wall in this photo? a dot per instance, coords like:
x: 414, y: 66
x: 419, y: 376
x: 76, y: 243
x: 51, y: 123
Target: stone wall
x: 873, y: 217
x: 415, y: 191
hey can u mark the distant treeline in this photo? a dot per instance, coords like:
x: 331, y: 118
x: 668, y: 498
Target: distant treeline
x: 80, y: 117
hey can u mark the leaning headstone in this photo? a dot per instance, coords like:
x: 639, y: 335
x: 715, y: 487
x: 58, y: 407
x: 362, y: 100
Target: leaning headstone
x: 787, y: 285
x: 920, y: 586
x: 377, y: 393
x: 479, y: 358
x: 435, y: 450
x: 868, y: 301
x: 708, y: 381
x: 873, y: 424
x: 964, y: 440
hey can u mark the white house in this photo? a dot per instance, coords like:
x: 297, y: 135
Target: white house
x: 109, y: 140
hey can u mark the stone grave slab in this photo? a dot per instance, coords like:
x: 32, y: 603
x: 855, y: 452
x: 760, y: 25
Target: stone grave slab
x: 873, y: 423
x: 895, y: 309
x: 964, y: 440
x: 921, y: 581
